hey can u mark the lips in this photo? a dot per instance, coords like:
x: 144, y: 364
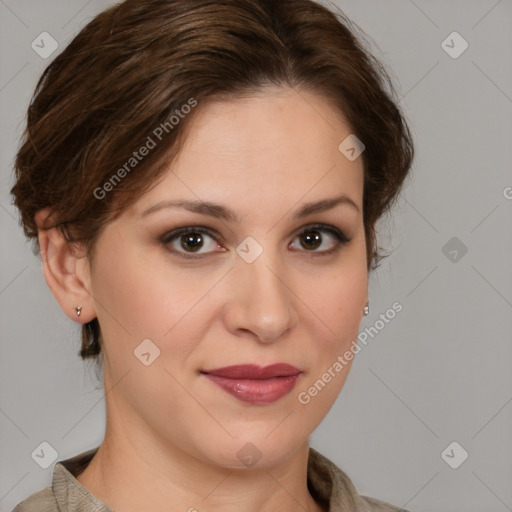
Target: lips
x: 254, y: 372
x: 254, y: 384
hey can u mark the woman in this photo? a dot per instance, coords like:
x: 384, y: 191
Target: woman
x: 202, y: 181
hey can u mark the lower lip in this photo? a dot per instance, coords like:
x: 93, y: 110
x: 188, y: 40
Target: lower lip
x: 257, y: 392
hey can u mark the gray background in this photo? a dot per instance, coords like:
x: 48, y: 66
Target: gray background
x: 438, y: 372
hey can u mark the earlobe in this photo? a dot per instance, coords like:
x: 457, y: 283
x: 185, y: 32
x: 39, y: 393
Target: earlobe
x: 65, y: 270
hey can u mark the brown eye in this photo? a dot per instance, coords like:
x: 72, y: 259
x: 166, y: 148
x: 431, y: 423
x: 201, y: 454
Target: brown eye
x: 190, y: 241
x: 311, y: 239
x: 315, y: 236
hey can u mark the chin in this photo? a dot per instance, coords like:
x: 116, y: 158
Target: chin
x: 250, y: 452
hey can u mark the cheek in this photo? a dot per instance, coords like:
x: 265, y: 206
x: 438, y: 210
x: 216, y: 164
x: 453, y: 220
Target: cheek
x: 337, y: 300
x: 338, y: 309
x: 142, y: 295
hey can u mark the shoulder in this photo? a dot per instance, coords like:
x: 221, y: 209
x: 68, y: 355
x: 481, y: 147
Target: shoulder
x: 332, y: 485
x: 368, y: 504
x: 41, y: 501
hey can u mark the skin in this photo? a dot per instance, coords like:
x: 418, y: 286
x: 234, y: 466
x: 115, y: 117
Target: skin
x: 172, y: 436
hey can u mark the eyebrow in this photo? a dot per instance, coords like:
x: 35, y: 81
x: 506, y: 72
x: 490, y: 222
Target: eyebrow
x: 222, y: 212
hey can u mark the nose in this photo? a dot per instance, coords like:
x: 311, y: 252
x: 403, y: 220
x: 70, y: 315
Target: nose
x: 260, y: 301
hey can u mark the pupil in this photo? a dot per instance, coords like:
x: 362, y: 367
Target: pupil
x: 312, y: 238
x: 192, y: 241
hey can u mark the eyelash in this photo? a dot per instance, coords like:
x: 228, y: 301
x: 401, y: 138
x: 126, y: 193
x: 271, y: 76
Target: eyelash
x: 339, y: 235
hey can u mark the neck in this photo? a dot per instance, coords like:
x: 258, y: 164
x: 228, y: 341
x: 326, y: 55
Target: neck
x: 130, y: 476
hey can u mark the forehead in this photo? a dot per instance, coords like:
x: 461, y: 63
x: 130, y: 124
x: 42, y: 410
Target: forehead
x: 276, y: 117
x: 274, y: 146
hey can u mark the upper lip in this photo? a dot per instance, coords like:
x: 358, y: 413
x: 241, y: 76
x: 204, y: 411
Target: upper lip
x: 252, y: 371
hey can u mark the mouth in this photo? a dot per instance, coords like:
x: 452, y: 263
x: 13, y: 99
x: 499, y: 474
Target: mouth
x: 254, y: 384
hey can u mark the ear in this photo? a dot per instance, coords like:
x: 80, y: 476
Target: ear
x: 66, y: 269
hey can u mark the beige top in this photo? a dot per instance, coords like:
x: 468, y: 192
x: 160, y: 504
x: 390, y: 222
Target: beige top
x: 328, y: 485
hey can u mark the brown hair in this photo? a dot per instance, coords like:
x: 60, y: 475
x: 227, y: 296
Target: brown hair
x: 135, y: 66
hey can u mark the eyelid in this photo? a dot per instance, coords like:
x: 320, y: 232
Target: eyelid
x: 319, y: 226
x: 173, y: 233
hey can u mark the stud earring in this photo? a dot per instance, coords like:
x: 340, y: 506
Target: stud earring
x: 366, y: 309
x: 78, y: 310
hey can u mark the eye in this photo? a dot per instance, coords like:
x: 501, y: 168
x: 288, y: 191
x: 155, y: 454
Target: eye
x: 190, y: 240
x: 312, y: 238
x: 197, y: 241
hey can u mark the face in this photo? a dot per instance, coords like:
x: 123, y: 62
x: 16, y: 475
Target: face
x: 251, y: 282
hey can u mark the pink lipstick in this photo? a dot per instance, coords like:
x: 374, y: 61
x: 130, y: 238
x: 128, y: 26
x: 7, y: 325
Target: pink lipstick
x: 254, y: 384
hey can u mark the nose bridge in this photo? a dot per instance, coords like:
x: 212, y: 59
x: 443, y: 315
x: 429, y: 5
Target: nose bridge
x: 264, y: 302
